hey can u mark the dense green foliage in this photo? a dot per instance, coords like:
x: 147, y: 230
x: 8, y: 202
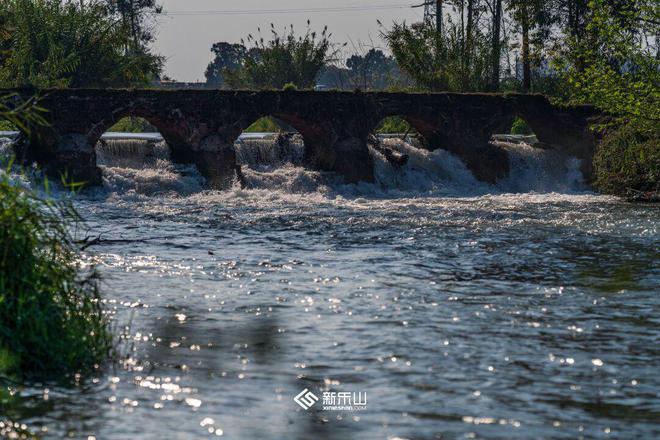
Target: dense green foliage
x: 441, y: 62
x: 519, y: 126
x: 526, y: 45
x: 285, y: 58
x: 136, y: 19
x: 51, y: 320
x: 372, y: 71
x: 614, y: 68
x: 7, y: 126
x: 394, y: 125
x: 56, y: 43
x: 627, y: 163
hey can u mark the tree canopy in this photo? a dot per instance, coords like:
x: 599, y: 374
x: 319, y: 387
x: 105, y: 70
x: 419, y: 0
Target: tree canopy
x: 55, y: 43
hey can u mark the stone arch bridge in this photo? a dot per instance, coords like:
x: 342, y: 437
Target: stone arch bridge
x: 201, y: 126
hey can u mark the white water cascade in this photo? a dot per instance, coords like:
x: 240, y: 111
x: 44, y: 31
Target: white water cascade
x: 272, y: 161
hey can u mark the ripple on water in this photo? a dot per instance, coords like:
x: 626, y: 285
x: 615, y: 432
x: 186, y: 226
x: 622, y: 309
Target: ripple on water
x: 490, y: 315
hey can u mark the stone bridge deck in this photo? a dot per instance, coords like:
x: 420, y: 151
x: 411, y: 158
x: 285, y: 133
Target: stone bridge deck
x: 201, y: 126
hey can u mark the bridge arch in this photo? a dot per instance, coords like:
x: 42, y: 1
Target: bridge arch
x: 428, y: 129
x: 269, y: 141
x: 172, y: 134
x: 136, y: 145
x: 206, y: 144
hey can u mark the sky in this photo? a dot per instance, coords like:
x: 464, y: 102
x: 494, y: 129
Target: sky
x: 188, y: 28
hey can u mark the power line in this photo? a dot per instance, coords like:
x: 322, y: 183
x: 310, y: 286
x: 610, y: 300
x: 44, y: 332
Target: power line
x: 291, y: 10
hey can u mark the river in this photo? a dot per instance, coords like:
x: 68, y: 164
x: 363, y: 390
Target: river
x: 457, y: 309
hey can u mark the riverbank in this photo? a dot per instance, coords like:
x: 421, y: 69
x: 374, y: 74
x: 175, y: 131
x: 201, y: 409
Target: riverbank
x: 51, y: 321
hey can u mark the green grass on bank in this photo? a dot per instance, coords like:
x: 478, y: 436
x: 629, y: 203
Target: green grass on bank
x: 264, y: 125
x: 132, y: 125
x: 51, y: 319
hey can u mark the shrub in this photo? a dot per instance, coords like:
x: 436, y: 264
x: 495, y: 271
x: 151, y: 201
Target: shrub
x: 289, y: 87
x: 7, y: 126
x: 441, y: 61
x: 51, y: 319
x: 627, y: 163
x: 393, y: 124
x: 519, y: 126
x: 284, y: 58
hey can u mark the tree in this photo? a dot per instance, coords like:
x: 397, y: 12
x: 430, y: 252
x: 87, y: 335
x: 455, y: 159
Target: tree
x: 228, y: 56
x: 135, y: 16
x: 458, y: 59
x: 615, y: 66
x: 496, y: 53
x: 533, y: 20
x: 54, y: 43
x: 285, y: 58
x: 370, y: 71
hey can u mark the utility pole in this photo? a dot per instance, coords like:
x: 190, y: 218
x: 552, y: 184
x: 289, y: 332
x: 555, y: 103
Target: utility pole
x: 433, y: 9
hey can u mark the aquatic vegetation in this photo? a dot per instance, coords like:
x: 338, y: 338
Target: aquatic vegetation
x: 51, y: 318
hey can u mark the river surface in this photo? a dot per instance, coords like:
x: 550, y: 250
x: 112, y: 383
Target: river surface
x: 529, y: 309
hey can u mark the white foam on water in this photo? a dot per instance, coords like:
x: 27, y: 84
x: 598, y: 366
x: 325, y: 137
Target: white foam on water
x: 162, y: 178
x: 265, y: 152
x: 538, y: 170
x: 272, y: 163
x: 6, y: 148
x: 130, y: 152
x: 426, y: 173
